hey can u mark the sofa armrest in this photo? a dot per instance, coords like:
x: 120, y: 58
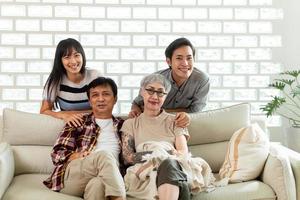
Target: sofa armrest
x: 278, y: 173
x: 294, y: 158
x: 7, y: 167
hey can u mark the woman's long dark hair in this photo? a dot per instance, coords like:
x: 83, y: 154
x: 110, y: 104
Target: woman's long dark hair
x: 63, y: 48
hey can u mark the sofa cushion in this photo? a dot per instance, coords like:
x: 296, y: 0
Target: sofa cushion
x: 246, y: 191
x: 279, y: 175
x: 218, y: 125
x: 246, y: 155
x: 6, y: 167
x: 1, y: 127
x: 30, y: 186
x: 29, y: 128
x: 32, y: 159
x: 213, y: 154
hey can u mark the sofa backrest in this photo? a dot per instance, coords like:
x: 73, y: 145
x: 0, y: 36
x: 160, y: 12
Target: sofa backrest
x: 21, y: 128
x: 33, y: 135
x: 1, y: 127
x: 211, y: 131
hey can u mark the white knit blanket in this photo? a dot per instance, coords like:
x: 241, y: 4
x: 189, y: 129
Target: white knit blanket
x: 199, y: 173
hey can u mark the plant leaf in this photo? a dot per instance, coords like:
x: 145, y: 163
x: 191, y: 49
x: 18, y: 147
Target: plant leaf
x: 296, y: 91
x: 293, y: 73
x: 286, y: 81
x: 273, y: 105
x: 278, y: 85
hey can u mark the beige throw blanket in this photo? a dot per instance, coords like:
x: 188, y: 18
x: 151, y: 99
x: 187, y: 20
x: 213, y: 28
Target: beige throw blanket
x: 140, y: 179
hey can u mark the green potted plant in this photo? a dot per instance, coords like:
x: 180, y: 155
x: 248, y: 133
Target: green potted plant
x: 287, y: 105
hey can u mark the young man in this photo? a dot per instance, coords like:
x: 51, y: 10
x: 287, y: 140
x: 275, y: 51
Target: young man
x: 190, y: 86
x: 87, y: 157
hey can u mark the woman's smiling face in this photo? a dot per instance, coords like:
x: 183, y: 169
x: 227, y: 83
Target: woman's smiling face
x: 72, y: 62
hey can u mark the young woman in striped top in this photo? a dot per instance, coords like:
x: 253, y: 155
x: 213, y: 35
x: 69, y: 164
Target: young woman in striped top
x: 64, y: 95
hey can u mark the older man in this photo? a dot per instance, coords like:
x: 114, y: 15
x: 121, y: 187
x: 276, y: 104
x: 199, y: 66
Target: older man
x: 87, y: 158
x: 190, y: 86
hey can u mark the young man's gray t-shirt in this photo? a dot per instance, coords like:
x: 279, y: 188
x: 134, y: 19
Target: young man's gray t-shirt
x: 191, y: 95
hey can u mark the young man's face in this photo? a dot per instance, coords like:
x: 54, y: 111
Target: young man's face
x: 182, y: 63
x: 102, y: 100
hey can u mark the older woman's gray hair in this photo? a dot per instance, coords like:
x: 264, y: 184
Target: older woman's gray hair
x: 156, y: 78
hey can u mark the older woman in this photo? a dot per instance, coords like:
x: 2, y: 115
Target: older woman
x: 142, y: 135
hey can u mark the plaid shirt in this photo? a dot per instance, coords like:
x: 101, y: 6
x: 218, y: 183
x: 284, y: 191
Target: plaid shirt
x: 76, y: 139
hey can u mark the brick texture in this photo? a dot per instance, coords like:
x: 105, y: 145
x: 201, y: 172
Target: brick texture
x: 126, y: 39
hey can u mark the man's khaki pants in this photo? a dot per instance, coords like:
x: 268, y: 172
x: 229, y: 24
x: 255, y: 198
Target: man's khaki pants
x: 94, y: 177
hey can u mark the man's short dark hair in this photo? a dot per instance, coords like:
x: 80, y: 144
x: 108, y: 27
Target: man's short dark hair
x: 103, y: 81
x: 177, y: 44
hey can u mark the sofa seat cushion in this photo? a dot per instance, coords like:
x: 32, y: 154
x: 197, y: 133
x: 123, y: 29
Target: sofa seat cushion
x: 240, y: 191
x: 30, y: 186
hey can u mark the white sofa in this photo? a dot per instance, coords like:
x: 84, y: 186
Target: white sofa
x: 27, y: 139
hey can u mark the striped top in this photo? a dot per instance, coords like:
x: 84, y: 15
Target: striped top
x: 72, y: 96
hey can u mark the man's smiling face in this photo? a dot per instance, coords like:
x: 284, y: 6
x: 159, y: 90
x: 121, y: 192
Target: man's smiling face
x: 182, y: 63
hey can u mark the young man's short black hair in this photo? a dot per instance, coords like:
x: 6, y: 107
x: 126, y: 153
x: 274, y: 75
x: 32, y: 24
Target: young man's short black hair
x: 103, y: 81
x: 177, y: 44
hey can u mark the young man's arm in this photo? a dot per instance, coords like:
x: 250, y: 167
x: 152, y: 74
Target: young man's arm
x: 182, y: 119
x: 199, y: 98
x: 175, y: 110
x: 136, y: 107
x: 135, y: 110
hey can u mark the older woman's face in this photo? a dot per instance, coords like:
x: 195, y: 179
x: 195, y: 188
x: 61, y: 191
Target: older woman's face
x: 154, y: 95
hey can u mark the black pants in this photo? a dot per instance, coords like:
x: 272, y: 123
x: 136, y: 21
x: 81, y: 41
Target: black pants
x: 171, y: 172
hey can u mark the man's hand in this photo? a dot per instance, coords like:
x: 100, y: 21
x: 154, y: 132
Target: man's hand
x: 182, y: 120
x: 135, y: 111
x: 77, y: 155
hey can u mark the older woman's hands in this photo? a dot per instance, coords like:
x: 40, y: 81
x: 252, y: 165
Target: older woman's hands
x: 182, y: 119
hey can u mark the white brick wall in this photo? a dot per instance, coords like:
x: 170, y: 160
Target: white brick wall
x: 6, y: 80
x: 246, y: 13
x: 143, y: 67
x: 222, y: 68
x: 40, y: 11
x: 144, y: 13
x: 31, y: 25
x: 118, y: 68
x: 126, y: 39
x: 6, y: 24
x: 13, y: 10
